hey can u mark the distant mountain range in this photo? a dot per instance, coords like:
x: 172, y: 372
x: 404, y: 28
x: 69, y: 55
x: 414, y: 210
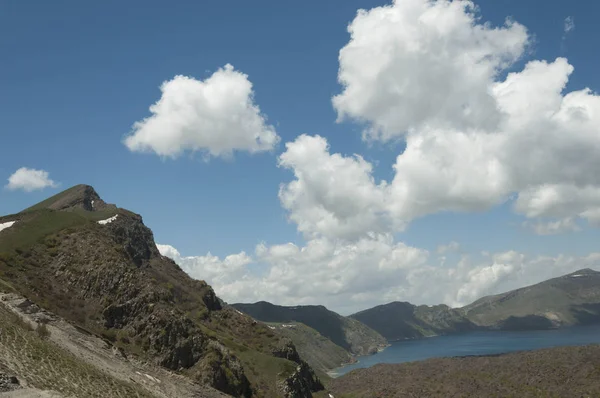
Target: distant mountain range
x: 569, y: 300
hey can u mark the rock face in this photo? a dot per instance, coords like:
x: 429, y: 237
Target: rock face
x: 111, y: 280
x: 402, y: 320
x: 301, y: 383
x: 8, y: 383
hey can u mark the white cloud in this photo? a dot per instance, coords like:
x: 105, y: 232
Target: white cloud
x: 569, y: 24
x: 219, y: 272
x: 428, y: 72
x: 30, y: 180
x: 332, y: 195
x: 552, y: 227
x: 216, y: 116
x: 431, y: 73
x: 421, y: 63
x: 448, y: 248
x: 353, y: 276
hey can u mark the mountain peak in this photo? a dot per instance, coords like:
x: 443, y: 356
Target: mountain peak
x: 80, y: 196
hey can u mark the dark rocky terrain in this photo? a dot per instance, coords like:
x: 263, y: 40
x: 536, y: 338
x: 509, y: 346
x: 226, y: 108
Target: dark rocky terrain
x: 558, y: 372
x: 97, y: 266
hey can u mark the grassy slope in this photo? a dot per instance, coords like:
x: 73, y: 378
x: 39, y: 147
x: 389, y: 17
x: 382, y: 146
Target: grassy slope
x: 319, y: 351
x: 48, y: 367
x: 353, y: 336
x: 567, y: 299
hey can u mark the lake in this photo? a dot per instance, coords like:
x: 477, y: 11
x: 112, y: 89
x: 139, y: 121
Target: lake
x: 476, y: 343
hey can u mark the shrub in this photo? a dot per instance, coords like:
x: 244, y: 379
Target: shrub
x: 42, y: 331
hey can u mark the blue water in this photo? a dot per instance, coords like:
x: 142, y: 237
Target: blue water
x: 476, y: 343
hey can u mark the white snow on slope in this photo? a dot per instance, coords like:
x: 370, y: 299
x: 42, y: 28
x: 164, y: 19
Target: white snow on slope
x: 108, y: 220
x: 6, y: 225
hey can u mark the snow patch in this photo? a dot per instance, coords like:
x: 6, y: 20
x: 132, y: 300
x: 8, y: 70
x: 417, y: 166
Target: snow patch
x: 108, y: 220
x: 239, y: 312
x: 92, y: 204
x: 6, y: 225
x: 288, y: 326
x: 271, y: 327
x: 576, y: 276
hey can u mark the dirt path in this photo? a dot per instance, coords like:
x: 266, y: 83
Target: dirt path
x: 78, y: 364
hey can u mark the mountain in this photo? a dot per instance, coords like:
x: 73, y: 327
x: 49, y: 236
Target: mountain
x: 564, y: 301
x: 568, y: 300
x: 402, y: 320
x: 347, y: 333
x: 96, y: 267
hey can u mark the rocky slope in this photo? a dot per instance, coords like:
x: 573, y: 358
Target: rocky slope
x: 402, y: 320
x: 558, y: 372
x: 98, y: 267
x: 347, y: 333
x: 568, y: 300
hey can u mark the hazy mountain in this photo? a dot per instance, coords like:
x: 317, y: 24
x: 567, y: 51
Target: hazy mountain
x: 347, y: 333
x: 569, y: 300
x: 564, y: 301
x: 402, y: 320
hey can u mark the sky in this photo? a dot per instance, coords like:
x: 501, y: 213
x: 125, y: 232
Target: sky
x: 346, y: 153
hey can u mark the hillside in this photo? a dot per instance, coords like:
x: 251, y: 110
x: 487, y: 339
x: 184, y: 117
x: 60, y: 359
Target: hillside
x: 568, y: 300
x: 353, y: 336
x: 97, y: 267
x: 402, y: 320
x: 557, y: 372
x: 320, y: 352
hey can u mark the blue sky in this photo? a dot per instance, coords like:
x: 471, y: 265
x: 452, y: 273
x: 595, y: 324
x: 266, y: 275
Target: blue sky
x: 76, y: 76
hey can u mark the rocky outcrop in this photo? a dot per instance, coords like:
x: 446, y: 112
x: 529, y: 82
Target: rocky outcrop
x: 286, y: 349
x: 301, y: 383
x: 222, y: 370
x: 129, y: 231
x: 8, y: 383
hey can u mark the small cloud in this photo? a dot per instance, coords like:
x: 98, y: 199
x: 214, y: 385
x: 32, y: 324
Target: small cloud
x: 449, y: 248
x: 569, y: 24
x: 552, y: 227
x: 29, y: 180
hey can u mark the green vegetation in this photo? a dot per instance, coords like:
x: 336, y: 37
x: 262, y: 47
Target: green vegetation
x: 320, y: 352
x: 556, y: 372
x: 349, y: 334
